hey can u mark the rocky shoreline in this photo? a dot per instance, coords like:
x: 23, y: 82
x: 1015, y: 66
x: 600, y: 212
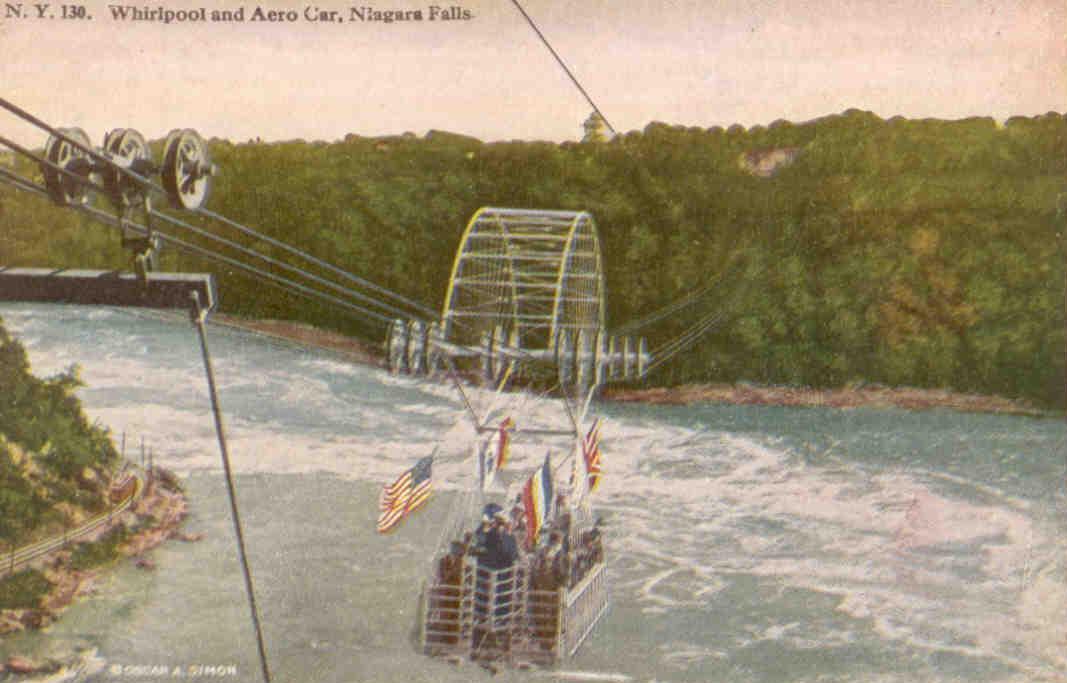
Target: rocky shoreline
x: 876, y: 396
x: 306, y: 335
x: 155, y: 518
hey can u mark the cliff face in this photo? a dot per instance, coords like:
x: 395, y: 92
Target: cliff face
x: 54, y: 465
x: 764, y: 163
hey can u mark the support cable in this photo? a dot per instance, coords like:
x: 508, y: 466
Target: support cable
x: 23, y: 183
x: 52, y: 165
x: 177, y: 222
x: 148, y: 183
x: 199, y: 231
x: 685, y: 340
x: 564, y: 66
x: 284, y: 283
x: 422, y: 308
x: 276, y: 280
x: 198, y: 315
x: 695, y: 329
x: 678, y: 304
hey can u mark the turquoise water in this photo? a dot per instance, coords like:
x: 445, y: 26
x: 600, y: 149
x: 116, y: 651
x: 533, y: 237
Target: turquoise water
x: 746, y: 543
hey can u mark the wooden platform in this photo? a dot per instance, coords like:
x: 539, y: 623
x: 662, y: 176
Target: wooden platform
x: 107, y: 288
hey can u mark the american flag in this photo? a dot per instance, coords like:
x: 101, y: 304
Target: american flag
x: 591, y: 455
x: 406, y: 494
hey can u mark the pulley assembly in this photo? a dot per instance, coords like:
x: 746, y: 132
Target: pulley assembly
x: 127, y: 149
x: 584, y: 359
x: 122, y: 170
x: 64, y: 155
x: 187, y: 169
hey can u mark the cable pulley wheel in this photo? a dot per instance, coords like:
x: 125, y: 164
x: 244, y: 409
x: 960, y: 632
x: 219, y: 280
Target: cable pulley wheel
x: 416, y: 346
x: 127, y: 148
x: 395, y: 345
x: 583, y: 366
x: 513, y: 342
x: 62, y: 188
x: 486, y: 356
x: 187, y: 172
x: 612, y: 359
x: 500, y: 361
x: 433, y: 348
x: 564, y: 358
x: 642, y: 358
x: 600, y: 360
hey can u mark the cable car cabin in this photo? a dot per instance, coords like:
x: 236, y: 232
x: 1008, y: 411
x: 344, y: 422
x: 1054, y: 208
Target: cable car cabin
x: 538, y: 611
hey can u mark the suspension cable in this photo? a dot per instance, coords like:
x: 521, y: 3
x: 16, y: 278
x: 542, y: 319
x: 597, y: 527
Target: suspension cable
x: 564, y: 66
x: 422, y: 308
x: 177, y: 222
x: 23, y: 183
x: 276, y: 280
x: 148, y: 183
x: 683, y: 302
x: 686, y: 340
x: 694, y: 332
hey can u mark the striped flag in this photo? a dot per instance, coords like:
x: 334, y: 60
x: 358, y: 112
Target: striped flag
x: 407, y: 494
x: 591, y: 455
x: 503, y: 444
x: 489, y: 463
x: 537, y: 501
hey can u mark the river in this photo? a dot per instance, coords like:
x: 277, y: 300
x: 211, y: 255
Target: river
x: 745, y: 543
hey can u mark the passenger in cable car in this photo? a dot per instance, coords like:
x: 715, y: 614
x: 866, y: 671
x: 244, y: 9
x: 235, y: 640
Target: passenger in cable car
x: 496, y: 550
x: 494, y: 544
x: 447, y: 599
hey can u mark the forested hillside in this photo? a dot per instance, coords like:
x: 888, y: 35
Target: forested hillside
x: 850, y: 248
x: 54, y: 465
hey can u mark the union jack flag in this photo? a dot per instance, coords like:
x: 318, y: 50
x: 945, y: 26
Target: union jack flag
x: 407, y: 494
x: 591, y: 455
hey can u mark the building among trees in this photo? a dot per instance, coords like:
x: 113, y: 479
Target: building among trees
x: 595, y: 128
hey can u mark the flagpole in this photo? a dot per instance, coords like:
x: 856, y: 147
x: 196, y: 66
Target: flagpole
x: 479, y: 460
x: 466, y: 401
x: 585, y: 406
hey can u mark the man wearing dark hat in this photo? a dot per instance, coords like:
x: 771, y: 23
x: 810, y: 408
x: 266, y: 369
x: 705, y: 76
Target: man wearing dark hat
x: 496, y: 550
x: 495, y: 545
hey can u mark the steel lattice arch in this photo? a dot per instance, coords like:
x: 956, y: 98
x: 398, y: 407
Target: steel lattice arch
x: 531, y: 272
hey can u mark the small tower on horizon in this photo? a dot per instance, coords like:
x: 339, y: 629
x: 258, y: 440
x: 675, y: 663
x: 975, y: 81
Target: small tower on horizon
x: 595, y: 128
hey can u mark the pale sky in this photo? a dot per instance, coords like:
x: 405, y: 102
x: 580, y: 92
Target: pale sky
x: 691, y: 62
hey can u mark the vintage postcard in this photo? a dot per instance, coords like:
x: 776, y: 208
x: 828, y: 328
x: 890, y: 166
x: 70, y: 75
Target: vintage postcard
x: 523, y: 340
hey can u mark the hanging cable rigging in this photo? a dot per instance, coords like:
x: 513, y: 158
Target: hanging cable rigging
x: 285, y: 284
x: 81, y: 178
x: 683, y: 302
